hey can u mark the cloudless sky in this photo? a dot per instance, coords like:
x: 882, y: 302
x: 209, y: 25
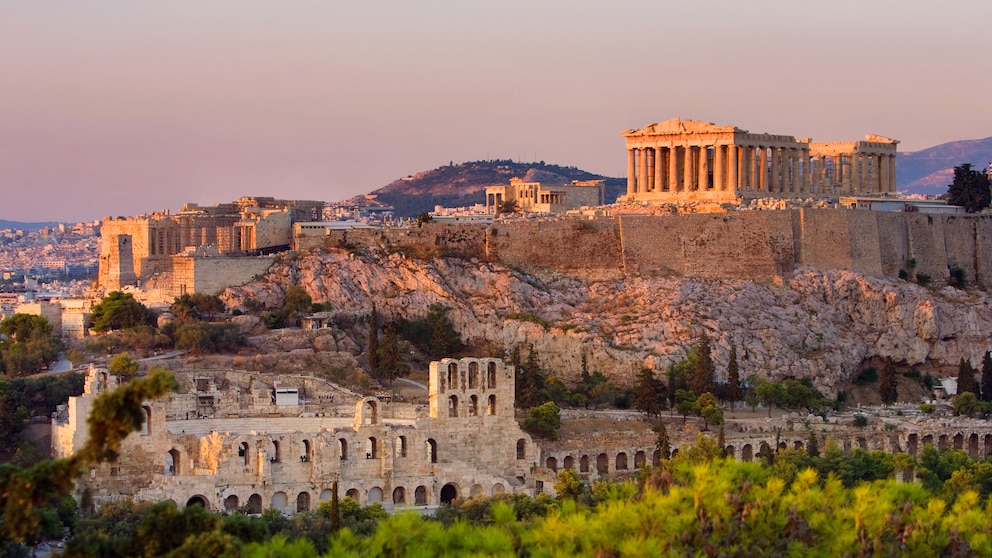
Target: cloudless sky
x: 124, y: 107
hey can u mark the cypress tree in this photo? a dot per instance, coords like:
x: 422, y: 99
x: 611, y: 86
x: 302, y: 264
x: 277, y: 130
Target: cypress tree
x: 987, y: 376
x: 702, y: 371
x: 734, y: 377
x: 966, y: 378
x: 374, y: 341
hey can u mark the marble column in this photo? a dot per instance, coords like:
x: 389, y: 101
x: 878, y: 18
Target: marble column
x: 774, y: 184
x: 793, y: 168
x: 732, y: 173
x: 718, y: 167
x: 752, y: 168
x: 805, y: 174
x: 762, y: 169
x: 893, y: 189
x: 884, y: 167
x: 630, y: 172
x: 642, y: 173
x: 659, y: 170
x: 673, y: 169
x: 687, y: 170
x: 704, y: 167
x: 649, y: 178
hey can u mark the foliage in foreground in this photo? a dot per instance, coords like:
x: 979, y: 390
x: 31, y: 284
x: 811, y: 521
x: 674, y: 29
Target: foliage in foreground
x: 696, y: 504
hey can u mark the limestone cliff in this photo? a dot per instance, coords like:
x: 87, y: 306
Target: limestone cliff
x: 822, y: 325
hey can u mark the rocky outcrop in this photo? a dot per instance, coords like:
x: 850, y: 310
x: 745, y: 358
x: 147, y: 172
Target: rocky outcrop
x: 816, y: 324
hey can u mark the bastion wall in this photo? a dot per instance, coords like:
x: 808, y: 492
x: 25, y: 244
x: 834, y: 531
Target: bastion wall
x: 742, y: 245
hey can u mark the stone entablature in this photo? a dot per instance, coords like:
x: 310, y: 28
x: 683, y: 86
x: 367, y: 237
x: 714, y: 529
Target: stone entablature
x: 231, y: 448
x: 686, y: 160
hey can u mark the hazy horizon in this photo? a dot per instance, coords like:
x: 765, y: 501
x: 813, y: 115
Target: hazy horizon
x: 115, y: 108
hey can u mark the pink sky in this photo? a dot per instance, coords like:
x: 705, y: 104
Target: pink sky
x: 118, y: 108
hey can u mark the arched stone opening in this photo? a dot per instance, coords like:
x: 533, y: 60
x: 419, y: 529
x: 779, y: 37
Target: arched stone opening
x: 353, y: 494
x: 401, y: 446
x: 675, y: 451
x: 243, y: 453
x: 621, y: 461
x: 958, y: 441
x: 602, y: 464
x: 797, y: 445
x: 747, y: 452
x: 368, y: 411
x: 988, y: 445
x: 326, y: 495
x: 491, y: 407
x: 274, y: 452
x: 473, y: 406
x: 449, y: 493
x: 372, y: 448
x: 498, y: 489
x: 146, y: 426
x: 307, y: 452
x: 569, y: 462
x: 477, y: 491
x: 656, y: 458
x: 782, y: 445
x: 198, y: 500
x: 942, y: 443
x: 432, y: 450
x: 452, y: 375
x: 473, y: 375
x: 521, y: 448
x: 375, y: 495
x: 911, y: 444
x: 639, y: 459
x: 172, y: 463
x: 279, y: 501
x: 420, y: 496
x: 491, y: 375
x: 399, y: 495
x: 973, y: 450
x: 302, y: 502
x: 231, y: 503
x: 255, y: 504
x: 453, y: 406
x: 343, y: 448
x: 928, y: 440
x: 584, y: 464
x: 729, y: 451
x: 552, y: 463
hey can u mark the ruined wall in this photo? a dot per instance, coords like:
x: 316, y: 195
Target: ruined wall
x: 213, y: 274
x: 588, y: 247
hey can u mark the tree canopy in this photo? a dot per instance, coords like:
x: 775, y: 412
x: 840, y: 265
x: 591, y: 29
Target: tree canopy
x: 118, y: 310
x: 29, y: 345
x: 970, y: 189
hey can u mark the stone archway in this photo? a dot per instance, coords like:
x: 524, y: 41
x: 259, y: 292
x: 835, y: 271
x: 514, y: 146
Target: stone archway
x: 449, y: 493
x: 198, y: 500
x: 231, y: 503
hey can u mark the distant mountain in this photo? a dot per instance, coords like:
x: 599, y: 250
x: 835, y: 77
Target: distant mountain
x: 931, y: 170
x: 465, y: 184
x: 4, y: 224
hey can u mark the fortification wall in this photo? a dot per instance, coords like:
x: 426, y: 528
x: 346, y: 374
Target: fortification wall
x: 741, y: 245
x: 211, y: 275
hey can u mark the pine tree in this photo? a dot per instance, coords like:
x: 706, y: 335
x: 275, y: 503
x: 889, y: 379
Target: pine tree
x: 391, y: 365
x: 966, y: 378
x: 649, y: 392
x: 734, y: 377
x: 701, y: 380
x: 812, y: 446
x: 987, y: 376
x: 887, y: 383
x: 373, y: 348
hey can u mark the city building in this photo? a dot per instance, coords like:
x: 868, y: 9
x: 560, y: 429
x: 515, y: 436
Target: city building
x: 534, y: 197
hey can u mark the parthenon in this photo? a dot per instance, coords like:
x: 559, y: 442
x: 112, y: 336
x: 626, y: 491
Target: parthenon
x: 688, y: 160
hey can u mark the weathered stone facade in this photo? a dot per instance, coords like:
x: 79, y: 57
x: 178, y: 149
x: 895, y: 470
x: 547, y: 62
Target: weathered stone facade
x: 227, y: 447
x: 686, y: 160
x: 134, y: 248
x: 534, y: 197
